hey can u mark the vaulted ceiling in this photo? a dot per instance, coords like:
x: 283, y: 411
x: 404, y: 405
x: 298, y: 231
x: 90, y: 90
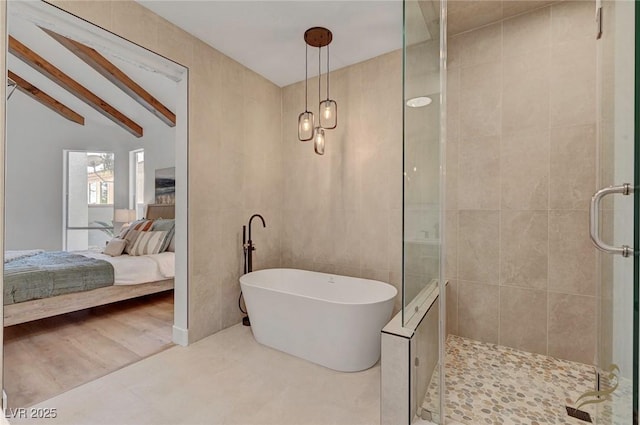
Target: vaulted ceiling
x: 51, y: 66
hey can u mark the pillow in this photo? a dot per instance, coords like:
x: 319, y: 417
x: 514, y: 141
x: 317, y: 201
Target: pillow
x: 167, y: 225
x: 131, y: 237
x: 115, y: 247
x: 142, y: 225
x: 123, y: 231
x: 148, y: 243
x: 172, y: 244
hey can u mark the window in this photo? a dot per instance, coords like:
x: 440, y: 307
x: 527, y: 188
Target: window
x: 136, y: 181
x: 100, y: 177
x: 93, y: 193
x: 89, y: 199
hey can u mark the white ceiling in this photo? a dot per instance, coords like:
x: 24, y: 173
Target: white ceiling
x: 267, y: 36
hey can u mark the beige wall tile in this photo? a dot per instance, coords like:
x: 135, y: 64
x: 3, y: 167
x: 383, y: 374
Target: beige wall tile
x: 451, y: 245
x: 573, y: 82
x: 572, y: 20
x: 451, y: 175
x: 357, y: 228
x: 524, y: 159
x: 452, y: 307
x: 531, y: 31
x: 478, y: 309
x: 573, y: 167
x: 572, y: 256
x: 463, y: 15
x: 523, y: 319
x: 524, y: 249
x: 453, y: 52
x: 478, y: 246
x: 525, y: 96
x: 481, y: 46
x: 479, y: 173
x: 516, y: 7
x: 481, y: 100
x: 572, y: 327
x: 536, y: 99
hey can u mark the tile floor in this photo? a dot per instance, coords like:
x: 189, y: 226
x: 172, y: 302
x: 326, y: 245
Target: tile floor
x: 492, y: 384
x: 227, y: 378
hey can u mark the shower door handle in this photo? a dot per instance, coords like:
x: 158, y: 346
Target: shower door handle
x: 594, y: 219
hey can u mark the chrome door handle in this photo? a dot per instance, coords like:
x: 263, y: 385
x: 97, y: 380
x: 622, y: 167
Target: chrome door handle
x: 594, y: 219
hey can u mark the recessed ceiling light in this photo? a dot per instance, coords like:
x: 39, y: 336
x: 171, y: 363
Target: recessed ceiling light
x: 417, y: 102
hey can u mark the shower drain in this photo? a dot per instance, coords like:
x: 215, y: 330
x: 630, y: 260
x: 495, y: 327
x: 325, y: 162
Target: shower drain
x: 578, y: 414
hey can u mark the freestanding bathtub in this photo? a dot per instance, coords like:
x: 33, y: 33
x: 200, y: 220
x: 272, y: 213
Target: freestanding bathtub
x: 331, y: 320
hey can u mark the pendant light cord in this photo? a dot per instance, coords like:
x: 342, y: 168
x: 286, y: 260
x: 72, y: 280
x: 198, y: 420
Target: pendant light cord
x: 306, y: 68
x: 327, y: 72
x: 319, y: 81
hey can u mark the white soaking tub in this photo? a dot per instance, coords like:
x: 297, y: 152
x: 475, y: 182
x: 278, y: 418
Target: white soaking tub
x: 331, y: 320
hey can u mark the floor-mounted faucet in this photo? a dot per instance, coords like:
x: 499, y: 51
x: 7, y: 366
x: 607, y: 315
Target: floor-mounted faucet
x: 248, y: 244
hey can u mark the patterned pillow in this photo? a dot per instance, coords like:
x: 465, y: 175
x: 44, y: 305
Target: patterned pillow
x: 168, y: 225
x: 131, y: 237
x: 142, y: 225
x: 148, y: 243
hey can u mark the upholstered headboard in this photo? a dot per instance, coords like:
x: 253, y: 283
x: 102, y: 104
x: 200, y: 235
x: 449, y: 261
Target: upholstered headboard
x: 155, y: 211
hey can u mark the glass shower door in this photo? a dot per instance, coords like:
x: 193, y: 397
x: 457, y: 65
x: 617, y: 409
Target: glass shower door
x: 614, y: 221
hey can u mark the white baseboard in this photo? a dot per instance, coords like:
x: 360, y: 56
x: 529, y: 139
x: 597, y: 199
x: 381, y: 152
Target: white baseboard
x: 180, y: 336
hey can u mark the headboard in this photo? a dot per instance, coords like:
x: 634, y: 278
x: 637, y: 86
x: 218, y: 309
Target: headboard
x: 155, y: 211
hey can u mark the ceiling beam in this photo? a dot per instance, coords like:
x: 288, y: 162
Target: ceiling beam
x: 41, y: 65
x: 114, y: 74
x: 35, y: 93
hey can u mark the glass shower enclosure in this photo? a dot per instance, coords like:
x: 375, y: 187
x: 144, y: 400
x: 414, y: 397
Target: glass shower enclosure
x: 613, y: 224
x: 423, y: 198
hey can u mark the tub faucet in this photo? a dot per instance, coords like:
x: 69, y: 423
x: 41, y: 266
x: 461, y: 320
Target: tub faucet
x: 248, y: 245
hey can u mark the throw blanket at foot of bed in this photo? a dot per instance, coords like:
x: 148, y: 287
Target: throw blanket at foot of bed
x: 48, y: 274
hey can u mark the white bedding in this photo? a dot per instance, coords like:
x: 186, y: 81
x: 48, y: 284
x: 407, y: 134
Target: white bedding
x: 132, y: 270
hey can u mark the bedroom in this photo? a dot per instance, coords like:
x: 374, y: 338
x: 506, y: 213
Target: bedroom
x: 80, y: 177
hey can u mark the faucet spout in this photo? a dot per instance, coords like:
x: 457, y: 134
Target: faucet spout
x: 250, y: 247
x: 251, y: 219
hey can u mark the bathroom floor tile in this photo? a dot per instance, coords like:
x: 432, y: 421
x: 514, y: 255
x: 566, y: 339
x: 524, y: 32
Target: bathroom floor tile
x: 227, y: 378
x: 491, y: 384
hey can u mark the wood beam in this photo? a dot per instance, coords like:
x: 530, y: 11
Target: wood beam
x: 35, y: 93
x: 41, y: 65
x: 114, y: 74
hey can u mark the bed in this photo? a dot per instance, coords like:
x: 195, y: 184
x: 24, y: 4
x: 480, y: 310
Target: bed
x: 92, y: 285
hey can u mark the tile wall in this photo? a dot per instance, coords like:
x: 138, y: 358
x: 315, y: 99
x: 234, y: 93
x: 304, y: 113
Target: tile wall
x: 521, y: 168
x: 343, y: 210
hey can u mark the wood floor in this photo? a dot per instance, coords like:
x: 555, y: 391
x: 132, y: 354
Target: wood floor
x: 47, y: 357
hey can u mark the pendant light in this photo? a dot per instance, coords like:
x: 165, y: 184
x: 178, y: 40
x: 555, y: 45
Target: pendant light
x: 328, y: 108
x: 308, y: 127
x: 305, y: 119
x: 318, y: 139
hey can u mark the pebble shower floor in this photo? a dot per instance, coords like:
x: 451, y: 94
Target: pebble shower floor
x: 491, y: 384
